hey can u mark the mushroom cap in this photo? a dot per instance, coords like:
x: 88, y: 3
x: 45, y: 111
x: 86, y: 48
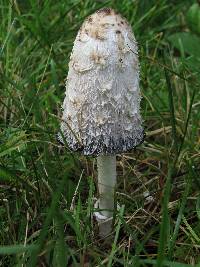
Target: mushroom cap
x: 101, y: 109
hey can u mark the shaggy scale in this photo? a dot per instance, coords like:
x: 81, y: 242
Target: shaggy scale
x: 101, y: 110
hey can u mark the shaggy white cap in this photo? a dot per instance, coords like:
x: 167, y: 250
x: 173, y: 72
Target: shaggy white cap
x: 101, y: 110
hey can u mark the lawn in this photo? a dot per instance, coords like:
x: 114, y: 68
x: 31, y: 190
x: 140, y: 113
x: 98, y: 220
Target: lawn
x: 47, y: 191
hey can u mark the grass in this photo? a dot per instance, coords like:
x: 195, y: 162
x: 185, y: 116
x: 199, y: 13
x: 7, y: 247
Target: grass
x: 39, y: 180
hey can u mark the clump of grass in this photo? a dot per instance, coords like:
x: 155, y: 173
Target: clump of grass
x: 47, y: 192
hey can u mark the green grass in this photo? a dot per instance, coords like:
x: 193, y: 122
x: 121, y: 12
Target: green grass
x: 39, y: 180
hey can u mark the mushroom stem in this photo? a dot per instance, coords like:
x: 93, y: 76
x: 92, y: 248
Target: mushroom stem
x: 106, y: 183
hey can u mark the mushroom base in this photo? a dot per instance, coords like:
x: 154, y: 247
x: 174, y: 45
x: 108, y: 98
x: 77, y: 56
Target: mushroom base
x: 104, y: 223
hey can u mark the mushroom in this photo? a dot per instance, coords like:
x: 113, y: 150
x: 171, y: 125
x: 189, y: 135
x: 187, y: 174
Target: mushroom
x: 101, y: 109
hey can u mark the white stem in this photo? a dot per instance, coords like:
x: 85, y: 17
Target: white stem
x: 106, y: 183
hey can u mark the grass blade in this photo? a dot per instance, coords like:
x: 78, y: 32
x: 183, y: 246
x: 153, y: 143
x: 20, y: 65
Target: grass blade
x: 164, y: 228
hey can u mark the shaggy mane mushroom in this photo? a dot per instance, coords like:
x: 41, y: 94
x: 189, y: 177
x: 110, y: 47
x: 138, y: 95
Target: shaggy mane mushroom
x: 101, y: 109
